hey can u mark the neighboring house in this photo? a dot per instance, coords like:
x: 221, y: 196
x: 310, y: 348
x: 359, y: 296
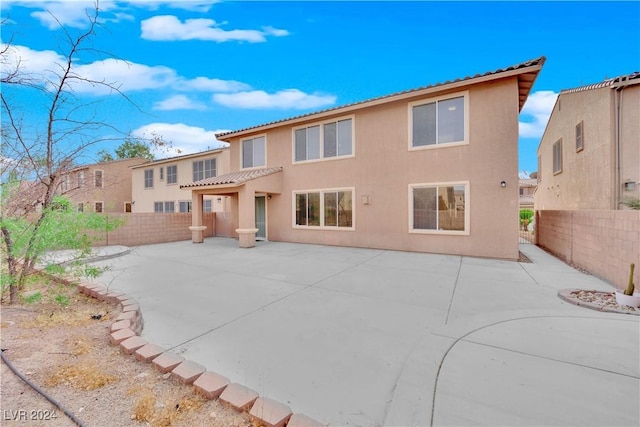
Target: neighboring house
x: 100, y: 187
x: 156, y: 185
x: 433, y: 169
x: 527, y: 191
x: 589, y: 155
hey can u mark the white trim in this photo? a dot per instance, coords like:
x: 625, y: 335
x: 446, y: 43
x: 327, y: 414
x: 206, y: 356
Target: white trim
x: 242, y: 154
x: 467, y: 208
x: 322, y: 226
x: 410, y: 105
x: 101, y: 203
x: 321, y: 124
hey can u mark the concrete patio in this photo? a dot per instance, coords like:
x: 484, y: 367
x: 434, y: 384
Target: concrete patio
x: 366, y: 337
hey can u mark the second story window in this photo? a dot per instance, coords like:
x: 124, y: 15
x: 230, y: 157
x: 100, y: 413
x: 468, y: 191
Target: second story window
x: 580, y: 136
x: 172, y: 174
x: 148, y: 178
x: 80, y: 179
x: 441, y: 121
x: 161, y: 173
x: 203, y: 169
x: 98, y: 176
x: 332, y: 139
x: 254, y: 152
x: 557, y: 157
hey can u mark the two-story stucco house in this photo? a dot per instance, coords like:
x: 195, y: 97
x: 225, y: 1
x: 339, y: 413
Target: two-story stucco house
x: 100, y: 187
x: 433, y: 169
x: 589, y: 155
x: 156, y: 185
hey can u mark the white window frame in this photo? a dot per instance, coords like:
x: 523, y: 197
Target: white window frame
x: 170, y: 203
x: 155, y: 206
x: 169, y: 182
x: 80, y: 179
x: 207, y: 205
x: 465, y: 141
x: 144, y: 180
x: 322, y: 226
x: 186, y: 203
x: 253, y: 138
x: 95, y: 178
x: 95, y: 204
x: 580, y: 136
x: 321, y: 142
x: 161, y: 177
x: 202, y: 163
x: 556, y: 156
x: 467, y: 208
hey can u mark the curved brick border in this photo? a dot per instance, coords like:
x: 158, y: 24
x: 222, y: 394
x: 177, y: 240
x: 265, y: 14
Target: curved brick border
x: 569, y: 295
x: 125, y: 333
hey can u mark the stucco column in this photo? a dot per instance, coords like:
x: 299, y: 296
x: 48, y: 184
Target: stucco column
x: 196, y: 218
x: 246, y: 218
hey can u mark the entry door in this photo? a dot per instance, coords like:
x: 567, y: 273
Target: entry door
x: 261, y: 217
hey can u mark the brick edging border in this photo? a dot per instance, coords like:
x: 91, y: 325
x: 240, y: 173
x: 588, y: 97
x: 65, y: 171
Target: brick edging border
x: 568, y: 296
x: 125, y: 332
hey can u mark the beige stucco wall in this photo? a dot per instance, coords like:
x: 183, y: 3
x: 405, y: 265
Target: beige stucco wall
x: 162, y: 192
x: 383, y: 168
x: 116, y: 185
x: 588, y: 177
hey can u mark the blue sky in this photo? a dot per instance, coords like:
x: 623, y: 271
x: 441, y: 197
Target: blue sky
x: 201, y: 67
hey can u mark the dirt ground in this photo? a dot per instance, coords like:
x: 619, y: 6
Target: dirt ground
x: 61, y: 344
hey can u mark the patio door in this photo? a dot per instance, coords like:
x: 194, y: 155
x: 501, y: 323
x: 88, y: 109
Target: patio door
x: 261, y: 217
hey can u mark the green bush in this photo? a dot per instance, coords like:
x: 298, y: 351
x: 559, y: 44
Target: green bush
x: 526, y: 214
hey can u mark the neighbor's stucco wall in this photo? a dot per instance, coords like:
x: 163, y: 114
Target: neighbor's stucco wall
x: 383, y: 167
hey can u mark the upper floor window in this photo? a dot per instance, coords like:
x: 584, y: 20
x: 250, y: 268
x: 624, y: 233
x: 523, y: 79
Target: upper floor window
x: 203, y: 169
x: 440, y: 121
x: 557, y: 156
x: 254, y: 152
x: 80, y: 179
x: 161, y: 173
x: 172, y: 174
x: 98, y: 176
x: 439, y: 208
x: 148, y: 178
x: 332, y: 139
x: 580, y: 136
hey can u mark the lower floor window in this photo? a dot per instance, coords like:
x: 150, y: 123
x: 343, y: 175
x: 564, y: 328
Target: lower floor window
x: 207, y: 205
x: 185, y: 206
x: 324, y: 208
x: 439, y: 208
x: 166, y: 207
x: 98, y: 207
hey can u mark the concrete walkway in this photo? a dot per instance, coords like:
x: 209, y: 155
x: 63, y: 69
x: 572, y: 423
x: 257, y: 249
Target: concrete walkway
x: 366, y: 337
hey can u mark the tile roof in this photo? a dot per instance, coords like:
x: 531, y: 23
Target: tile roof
x: 529, y: 182
x: 616, y: 81
x: 182, y: 157
x: 526, y: 200
x: 233, y: 177
x: 525, y: 82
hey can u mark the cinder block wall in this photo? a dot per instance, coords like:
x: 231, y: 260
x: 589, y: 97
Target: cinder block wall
x: 149, y: 228
x: 601, y: 242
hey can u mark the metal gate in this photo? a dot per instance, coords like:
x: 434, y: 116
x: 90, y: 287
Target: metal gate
x: 526, y: 231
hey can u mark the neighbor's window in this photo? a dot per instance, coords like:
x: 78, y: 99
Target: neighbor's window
x: 98, y: 206
x: 98, y: 176
x: 172, y: 174
x: 203, y: 169
x: 580, y: 136
x: 169, y: 206
x: 332, y: 139
x: 80, y: 207
x: 80, y: 179
x: 158, y: 207
x: 325, y: 208
x: 161, y: 173
x: 127, y: 207
x: 148, y: 178
x: 441, y: 121
x: 439, y: 208
x: 539, y: 176
x: 254, y: 152
x: 185, y: 206
x: 206, y: 205
x: 557, y: 156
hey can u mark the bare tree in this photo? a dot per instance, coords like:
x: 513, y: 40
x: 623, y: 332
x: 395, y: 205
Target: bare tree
x: 36, y: 156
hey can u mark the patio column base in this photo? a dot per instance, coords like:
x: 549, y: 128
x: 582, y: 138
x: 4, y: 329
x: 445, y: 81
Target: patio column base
x: 247, y: 237
x: 196, y: 233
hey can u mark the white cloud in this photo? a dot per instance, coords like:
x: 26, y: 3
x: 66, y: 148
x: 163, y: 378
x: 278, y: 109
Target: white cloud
x: 178, y: 102
x: 169, y: 27
x: 31, y: 63
x: 286, y: 99
x: 212, y: 85
x: 536, y: 112
x: 184, y: 139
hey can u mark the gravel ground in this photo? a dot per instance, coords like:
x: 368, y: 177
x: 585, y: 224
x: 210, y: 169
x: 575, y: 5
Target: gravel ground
x: 66, y: 352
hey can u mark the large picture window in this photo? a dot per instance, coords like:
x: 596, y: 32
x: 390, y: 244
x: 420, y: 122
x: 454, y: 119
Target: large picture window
x: 254, y: 152
x: 324, y: 208
x: 322, y: 141
x: 203, y: 169
x: 440, y: 208
x: 441, y: 121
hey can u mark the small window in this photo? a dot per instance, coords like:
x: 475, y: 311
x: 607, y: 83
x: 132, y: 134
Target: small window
x: 557, y: 157
x: 98, y: 206
x: 254, y: 152
x: 206, y: 206
x: 98, y: 176
x: 580, y: 136
x: 185, y: 206
x: 326, y: 208
x: 169, y: 207
x: 127, y: 207
x: 158, y: 207
x: 80, y: 207
x: 80, y: 179
x: 161, y: 173
x: 439, y: 208
x: 442, y: 121
x: 172, y: 174
x: 148, y: 178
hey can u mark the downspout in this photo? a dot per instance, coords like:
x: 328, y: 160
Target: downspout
x: 616, y: 180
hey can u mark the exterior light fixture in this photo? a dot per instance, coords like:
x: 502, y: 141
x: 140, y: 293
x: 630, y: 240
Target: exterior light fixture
x: 269, y: 197
x: 503, y: 184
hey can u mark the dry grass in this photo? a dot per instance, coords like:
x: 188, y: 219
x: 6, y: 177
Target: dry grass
x: 58, y: 316
x: 84, y: 375
x: 166, y: 413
